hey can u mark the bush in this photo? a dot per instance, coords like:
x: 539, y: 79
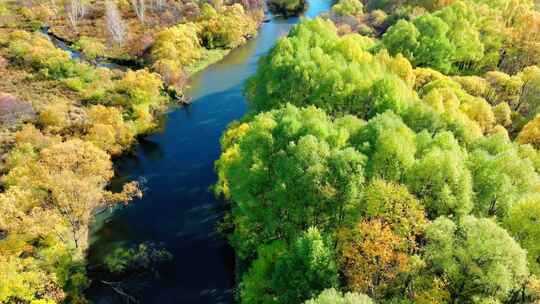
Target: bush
x: 140, y: 93
x: 91, y: 47
x: 348, y: 8
x: 179, y: 44
x: 287, y: 7
x: 228, y: 28
x: 36, y: 51
x: 332, y: 296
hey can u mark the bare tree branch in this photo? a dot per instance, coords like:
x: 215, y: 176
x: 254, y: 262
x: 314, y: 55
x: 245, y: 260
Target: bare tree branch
x: 76, y: 10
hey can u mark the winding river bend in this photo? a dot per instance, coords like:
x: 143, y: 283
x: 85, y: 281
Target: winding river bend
x: 178, y: 211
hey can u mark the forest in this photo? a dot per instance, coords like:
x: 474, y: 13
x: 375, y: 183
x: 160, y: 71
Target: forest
x: 391, y: 156
x: 389, y: 153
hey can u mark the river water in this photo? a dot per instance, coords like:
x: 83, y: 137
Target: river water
x: 178, y: 211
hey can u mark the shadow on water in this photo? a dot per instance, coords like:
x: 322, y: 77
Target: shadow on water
x: 176, y: 165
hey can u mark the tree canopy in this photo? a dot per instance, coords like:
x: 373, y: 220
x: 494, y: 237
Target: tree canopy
x: 416, y: 159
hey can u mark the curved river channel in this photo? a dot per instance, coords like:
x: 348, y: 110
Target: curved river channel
x: 178, y: 211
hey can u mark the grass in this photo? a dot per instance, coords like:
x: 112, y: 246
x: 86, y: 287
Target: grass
x: 209, y: 57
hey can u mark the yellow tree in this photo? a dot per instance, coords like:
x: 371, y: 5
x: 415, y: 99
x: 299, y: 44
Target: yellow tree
x: 530, y: 134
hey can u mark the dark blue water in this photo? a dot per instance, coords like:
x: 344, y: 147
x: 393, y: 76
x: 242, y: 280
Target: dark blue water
x: 178, y: 211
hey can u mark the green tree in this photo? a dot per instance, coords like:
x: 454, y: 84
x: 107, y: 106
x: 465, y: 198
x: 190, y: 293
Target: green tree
x: 314, y: 66
x: 332, y: 296
x: 442, y: 180
x: 434, y: 47
x: 290, y: 169
x: 348, y: 8
x: 479, y: 259
x: 308, y: 265
x: 402, y: 38
x: 523, y: 222
x: 500, y: 175
x: 256, y: 284
x: 393, y: 204
x: 389, y: 144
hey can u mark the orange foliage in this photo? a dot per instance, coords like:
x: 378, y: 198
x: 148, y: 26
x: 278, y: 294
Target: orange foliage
x: 371, y: 256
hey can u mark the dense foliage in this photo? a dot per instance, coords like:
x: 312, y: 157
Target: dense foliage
x: 180, y: 49
x: 287, y: 7
x: 63, y: 117
x: 58, y: 166
x: 423, y: 184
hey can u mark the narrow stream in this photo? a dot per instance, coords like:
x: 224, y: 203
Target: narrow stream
x: 178, y: 211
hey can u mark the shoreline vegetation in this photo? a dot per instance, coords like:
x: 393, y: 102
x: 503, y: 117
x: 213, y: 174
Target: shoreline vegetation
x: 64, y: 119
x: 287, y: 8
x: 391, y: 156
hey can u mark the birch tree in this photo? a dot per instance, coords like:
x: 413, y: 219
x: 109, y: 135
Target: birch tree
x: 139, y: 7
x: 115, y: 25
x: 76, y: 10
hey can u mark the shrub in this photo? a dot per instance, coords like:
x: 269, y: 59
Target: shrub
x: 227, y: 29
x: 179, y: 44
x: 287, y: 7
x: 348, y: 8
x: 90, y: 47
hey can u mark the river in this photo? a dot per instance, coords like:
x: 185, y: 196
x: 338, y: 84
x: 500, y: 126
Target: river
x: 178, y: 211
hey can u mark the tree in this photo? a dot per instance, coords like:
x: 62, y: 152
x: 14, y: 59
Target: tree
x: 464, y: 35
x: 392, y: 204
x: 479, y: 259
x: 76, y: 10
x: 287, y: 7
x: 139, y: 7
x: 229, y: 28
x: 530, y: 134
x: 308, y: 265
x: 389, y: 145
x: 424, y: 41
x: 256, y: 284
x: 332, y: 296
x: 500, y: 175
x: 115, y: 25
x: 158, y: 5
x: 434, y: 48
x: 314, y: 66
x: 529, y: 101
x: 290, y: 169
x: 140, y: 93
x: 108, y: 130
x: 523, y: 223
x: 57, y: 176
x: 401, y: 38
x: 348, y: 8
x: 178, y: 45
x: 371, y: 257
x: 442, y: 180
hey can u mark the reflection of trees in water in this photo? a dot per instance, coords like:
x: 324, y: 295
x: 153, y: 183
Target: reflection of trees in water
x: 124, y: 166
x: 125, y: 271
x: 151, y: 149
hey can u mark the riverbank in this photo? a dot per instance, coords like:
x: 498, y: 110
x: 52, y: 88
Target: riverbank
x: 81, y: 115
x: 178, y: 210
x: 174, y: 51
